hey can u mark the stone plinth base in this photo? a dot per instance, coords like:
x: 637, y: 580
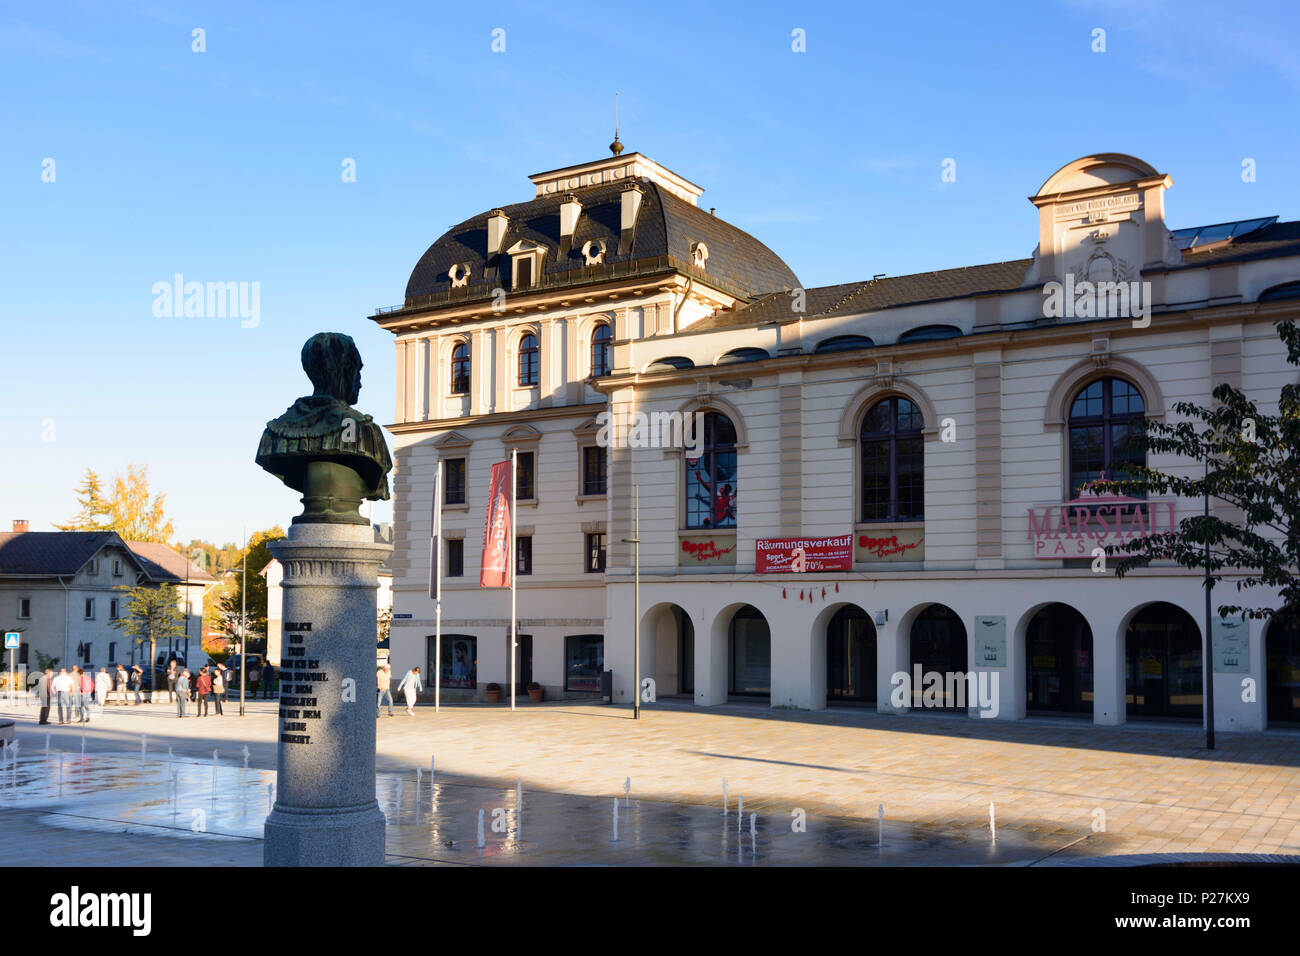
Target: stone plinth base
x: 324, y: 838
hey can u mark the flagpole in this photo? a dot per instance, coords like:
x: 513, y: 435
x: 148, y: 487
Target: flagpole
x: 514, y: 561
x: 436, y: 545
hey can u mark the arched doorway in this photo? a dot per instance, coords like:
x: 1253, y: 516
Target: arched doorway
x: 668, y: 650
x: 1163, y: 663
x: 1282, y: 672
x: 938, y: 644
x: 1058, y: 661
x: 750, y: 651
x: 851, y: 657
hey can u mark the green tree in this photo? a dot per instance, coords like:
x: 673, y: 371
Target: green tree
x: 1253, y: 467
x: 152, y: 615
x: 257, y: 557
x: 129, y: 509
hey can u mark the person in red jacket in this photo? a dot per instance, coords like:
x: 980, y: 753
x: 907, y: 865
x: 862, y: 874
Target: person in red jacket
x: 203, y: 687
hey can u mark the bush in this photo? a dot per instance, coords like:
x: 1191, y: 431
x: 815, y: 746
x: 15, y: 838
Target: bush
x: 495, y: 687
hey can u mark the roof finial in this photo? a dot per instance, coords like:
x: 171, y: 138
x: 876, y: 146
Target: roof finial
x: 616, y: 147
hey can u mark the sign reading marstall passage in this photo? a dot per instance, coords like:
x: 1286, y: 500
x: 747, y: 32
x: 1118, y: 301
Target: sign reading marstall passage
x: 1073, y: 529
x: 786, y: 555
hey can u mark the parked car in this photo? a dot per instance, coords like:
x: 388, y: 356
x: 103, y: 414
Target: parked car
x: 236, y: 662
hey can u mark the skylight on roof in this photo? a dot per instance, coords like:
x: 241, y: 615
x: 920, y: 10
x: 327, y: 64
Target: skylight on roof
x: 1197, y: 236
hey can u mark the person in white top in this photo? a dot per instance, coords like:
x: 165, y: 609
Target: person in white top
x: 63, y: 688
x: 103, y: 687
x: 412, y: 686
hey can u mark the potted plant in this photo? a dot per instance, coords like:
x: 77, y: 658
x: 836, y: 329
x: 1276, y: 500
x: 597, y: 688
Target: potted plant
x: 535, y: 692
x: 493, y: 693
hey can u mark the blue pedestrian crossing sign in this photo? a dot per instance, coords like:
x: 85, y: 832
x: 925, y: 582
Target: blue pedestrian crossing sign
x: 11, y: 639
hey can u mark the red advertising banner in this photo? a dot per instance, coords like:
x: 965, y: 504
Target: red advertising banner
x: 797, y: 555
x: 494, y: 572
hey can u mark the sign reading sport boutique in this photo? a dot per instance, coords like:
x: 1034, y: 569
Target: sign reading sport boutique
x: 1075, y: 528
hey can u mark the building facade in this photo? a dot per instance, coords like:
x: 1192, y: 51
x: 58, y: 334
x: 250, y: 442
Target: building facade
x: 926, y: 441
x: 61, y: 590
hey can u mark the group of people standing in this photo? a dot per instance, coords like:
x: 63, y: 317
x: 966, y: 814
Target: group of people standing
x: 72, y: 692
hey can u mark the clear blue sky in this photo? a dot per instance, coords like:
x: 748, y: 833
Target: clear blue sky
x: 225, y: 166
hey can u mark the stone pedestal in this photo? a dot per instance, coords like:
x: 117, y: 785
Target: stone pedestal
x: 325, y: 811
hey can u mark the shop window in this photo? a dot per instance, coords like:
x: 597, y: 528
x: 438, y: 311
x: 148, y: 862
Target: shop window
x: 584, y: 661
x: 458, y: 669
x: 712, y: 482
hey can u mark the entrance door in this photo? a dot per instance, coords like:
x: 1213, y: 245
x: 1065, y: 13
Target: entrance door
x: 1058, y: 645
x: 939, y: 646
x: 1163, y: 657
x: 1282, y: 666
x: 851, y: 657
x: 525, y: 660
x: 685, y: 652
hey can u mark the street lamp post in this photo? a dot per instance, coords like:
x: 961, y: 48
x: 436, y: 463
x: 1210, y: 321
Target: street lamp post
x: 243, y: 627
x: 1209, y: 623
x: 635, y: 541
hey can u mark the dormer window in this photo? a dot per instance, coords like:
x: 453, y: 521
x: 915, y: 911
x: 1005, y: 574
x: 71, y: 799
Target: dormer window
x: 699, y: 254
x: 525, y: 263
x: 593, y: 252
x: 523, y: 278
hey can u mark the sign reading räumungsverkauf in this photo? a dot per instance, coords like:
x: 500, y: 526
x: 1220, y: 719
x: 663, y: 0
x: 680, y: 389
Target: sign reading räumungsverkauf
x: 797, y: 555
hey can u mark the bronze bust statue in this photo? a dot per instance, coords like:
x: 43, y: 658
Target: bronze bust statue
x: 322, y: 446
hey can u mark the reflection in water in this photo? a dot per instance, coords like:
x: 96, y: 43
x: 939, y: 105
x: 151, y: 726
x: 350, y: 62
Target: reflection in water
x: 115, y: 791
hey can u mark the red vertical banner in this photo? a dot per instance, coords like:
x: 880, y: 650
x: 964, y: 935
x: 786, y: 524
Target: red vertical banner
x: 494, y: 572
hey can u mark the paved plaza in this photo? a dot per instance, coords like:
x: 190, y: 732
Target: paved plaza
x: 1063, y: 791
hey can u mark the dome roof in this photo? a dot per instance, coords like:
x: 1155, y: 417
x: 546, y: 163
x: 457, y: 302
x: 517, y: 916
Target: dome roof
x: 666, y: 226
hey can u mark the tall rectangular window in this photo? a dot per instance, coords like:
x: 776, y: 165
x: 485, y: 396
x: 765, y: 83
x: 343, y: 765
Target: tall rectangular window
x: 112, y: 609
x: 593, y: 470
x: 112, y: 651
x: 523, y: 272
x: 595, y: 553
x: 453, y: 477
x: 524, y: 547
x: 90, y: 609
x: 455, y: 559
x: 526, y: 479
x: 24, y: 607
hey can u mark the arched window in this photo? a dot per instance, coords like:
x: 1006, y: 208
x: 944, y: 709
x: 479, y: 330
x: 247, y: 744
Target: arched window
x: 711, y: 479
x: 528, y: 359
x: 893, y: 462
x: 600, y: 339
x: 460, y: 369
x: 1104, y: 417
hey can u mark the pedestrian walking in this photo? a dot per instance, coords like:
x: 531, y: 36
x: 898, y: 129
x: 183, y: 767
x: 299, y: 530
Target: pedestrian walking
x: 121, y: 685
x: 268, y: 679
x: 63, y: 695
x: 254, y: 677
x: 203, y: 688
x: 45, y: 687
x: 182, y: 692
x: 137, y: 677
x: 226, y: 675
x: 412, y: 686
x: 385, y: 678
x: 103, y: 687
x: 173, y: 672
x: 218, y: 687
